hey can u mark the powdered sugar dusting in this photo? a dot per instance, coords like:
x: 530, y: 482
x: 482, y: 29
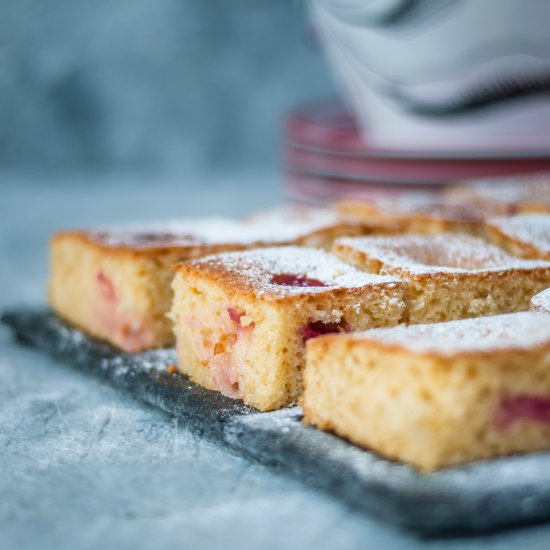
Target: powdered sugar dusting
x: 259, y: 266
x: 185, y: 232
x: 426, y: 204
x: 278, y: 226
x: 290, y: 223
x: 541, y: 301
x: 532, y: 229
x: 439, y: 253
x: 516, y: 189
x: 523, y: 330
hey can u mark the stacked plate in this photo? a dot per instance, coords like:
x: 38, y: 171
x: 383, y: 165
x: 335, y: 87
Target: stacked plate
x: 326, y: 158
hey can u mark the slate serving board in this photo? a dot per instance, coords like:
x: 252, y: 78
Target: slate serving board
x: 482, y: 496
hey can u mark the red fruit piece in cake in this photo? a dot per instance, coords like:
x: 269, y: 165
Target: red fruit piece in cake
x: 106, y: 288
x: 526, y: 407
x: 242, y: 319
x: 313, y: 329
x: 133, y: 333
x: 288, y: 279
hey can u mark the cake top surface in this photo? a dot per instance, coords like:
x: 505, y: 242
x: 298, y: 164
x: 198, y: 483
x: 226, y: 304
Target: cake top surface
x: 515, y: 189
x: 174, y: 233
x: 288, y: 223
x: 277, y: 226
x: 525, y: 330
x: 428, y: 204
x: 439, y: 253
x: 533, y: 229
x: 305, y: 217
x: 288, y: 271
x: 541, y: 301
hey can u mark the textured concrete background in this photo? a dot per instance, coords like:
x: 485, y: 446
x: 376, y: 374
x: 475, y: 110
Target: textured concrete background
x: 180, y: 84
x: 119, y: 110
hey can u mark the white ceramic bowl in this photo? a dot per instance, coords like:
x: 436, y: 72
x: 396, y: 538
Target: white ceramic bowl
x: 444, y: 75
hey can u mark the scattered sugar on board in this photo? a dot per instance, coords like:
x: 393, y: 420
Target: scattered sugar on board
x: 443, y: 252
x: 483, y: 334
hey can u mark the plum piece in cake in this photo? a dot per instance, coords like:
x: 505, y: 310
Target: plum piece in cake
x: 242, y: 319
x: 526, y: 235
x: 449, y: 275
x: 435, y: 395
x: 115, y: 283
x: 419, y: 213
x: 512, y: 195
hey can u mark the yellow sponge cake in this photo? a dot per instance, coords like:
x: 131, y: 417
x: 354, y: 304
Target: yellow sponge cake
x: 435, y: 395
x: 242, y: 319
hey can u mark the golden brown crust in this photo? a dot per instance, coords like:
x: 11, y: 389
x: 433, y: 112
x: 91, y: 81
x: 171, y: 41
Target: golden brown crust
x: 513, y: 244
x: 360, y: 258
x: 234, y: 281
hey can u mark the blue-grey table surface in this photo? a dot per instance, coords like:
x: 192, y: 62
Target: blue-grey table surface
x: 84, y: 466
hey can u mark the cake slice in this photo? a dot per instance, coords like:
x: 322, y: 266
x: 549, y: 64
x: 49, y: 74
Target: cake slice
x: 435, y: 395
x: 526, y: 235
x: 419, y: 213
x: 512, y: 195
x: 114, y: 283
x: 242, y: 319
x: 449, y: 275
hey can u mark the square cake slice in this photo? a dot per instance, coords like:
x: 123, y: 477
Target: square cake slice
x: 115, y: 283
x: 449, y: 275
x: 526, y: 236
x: 435, y: 395
x: 242, y: 319
x: 419, y: 213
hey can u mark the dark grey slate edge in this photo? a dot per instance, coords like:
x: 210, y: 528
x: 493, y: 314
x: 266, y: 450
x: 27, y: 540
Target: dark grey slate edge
x: 479, y: 497
x: 482, y: 496
x: 142, y: 375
